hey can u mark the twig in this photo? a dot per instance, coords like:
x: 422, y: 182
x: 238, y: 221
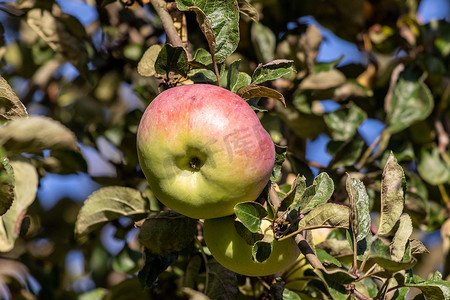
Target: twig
x: 206, y: 263
x: 360, y: 296
x: 443, y: 140
x: 167, y: 22
x: 309, y: 254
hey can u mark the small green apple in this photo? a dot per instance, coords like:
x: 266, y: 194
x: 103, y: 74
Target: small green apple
x: 203, y: 150
x: 233, y: 252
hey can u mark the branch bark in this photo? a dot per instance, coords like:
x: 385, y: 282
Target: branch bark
x: 308, y: 252
x: 167, y: 22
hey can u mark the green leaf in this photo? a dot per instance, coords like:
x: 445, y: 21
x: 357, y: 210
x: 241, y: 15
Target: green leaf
x: 319, y: 193
x: 6, y: 184
x: 254, y: 91
x: 127, y: 261
x: 203, y: 76
x: 290, y: 295
x: 327, y: 259
x: 359, y: 204
x: 250, y: 214
x: 401, y: 237
x: 236, y: 79
x: 249, y: 237
x: 292, y: 199
x: 153, y: 266
x: 171, y: 59
x: 107, y: 204
x: 345, y: 153
x: 167, y: 232
x: 26, y: 182
x: 223, y: 19
x: 222, y: 283
x: 393, y: 186
x: 248, y: 10
x: 435, y: 288
x: 280, y: 156
x: 344, y: 122
x: 261, y: 251
x: 264, y: 42
x: 34, y: 134
x: 202, y: 58
x: 336, y: 290
x: 323, y: 80
x: 272, y: 70
x: 320, y: 67
x: 326, y: 215
x: 432, y: 168
x: 146, y: 66
x: 411, y: 101
x: 10, y: 105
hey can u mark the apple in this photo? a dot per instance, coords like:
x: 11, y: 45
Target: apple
x: 234, y: 253
x: 203, y: 149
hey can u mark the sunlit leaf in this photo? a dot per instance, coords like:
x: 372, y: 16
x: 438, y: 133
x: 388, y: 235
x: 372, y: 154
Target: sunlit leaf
x: 107, y: 204
x: 316, y: 194
x: 223, y: 19
x: 392, y: 195
x: 26, y: 182
x: 36, y: 133
x: 326, y: 215
x: 250, y: 214
x: 248, y: 10
x: 6, y: 184
x: 359, y: 201
x: 401, y: 237
x: 272, y: 70
x: 435, y: 288
x: 253, y: 91
x: 10, y: 105
x: 146, y: 66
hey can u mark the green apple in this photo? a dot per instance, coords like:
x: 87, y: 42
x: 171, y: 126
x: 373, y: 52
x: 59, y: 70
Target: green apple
x: 233, y: 252
x: 203, y: 149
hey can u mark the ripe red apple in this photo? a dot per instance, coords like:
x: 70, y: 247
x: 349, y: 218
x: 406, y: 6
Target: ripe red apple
x: 203, y: 149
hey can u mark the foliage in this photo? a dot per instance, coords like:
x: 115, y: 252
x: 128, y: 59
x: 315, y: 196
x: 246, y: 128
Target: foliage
x: 376, y: 196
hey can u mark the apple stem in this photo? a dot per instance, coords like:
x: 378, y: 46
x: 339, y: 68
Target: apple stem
x: 194, y: 163
x: 308, y: 252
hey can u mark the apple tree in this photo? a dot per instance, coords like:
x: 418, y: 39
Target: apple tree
x: 342, y: 194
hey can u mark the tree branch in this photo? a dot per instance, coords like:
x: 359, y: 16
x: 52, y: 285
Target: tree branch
x: 308, y: 252
x: 167, y: 22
